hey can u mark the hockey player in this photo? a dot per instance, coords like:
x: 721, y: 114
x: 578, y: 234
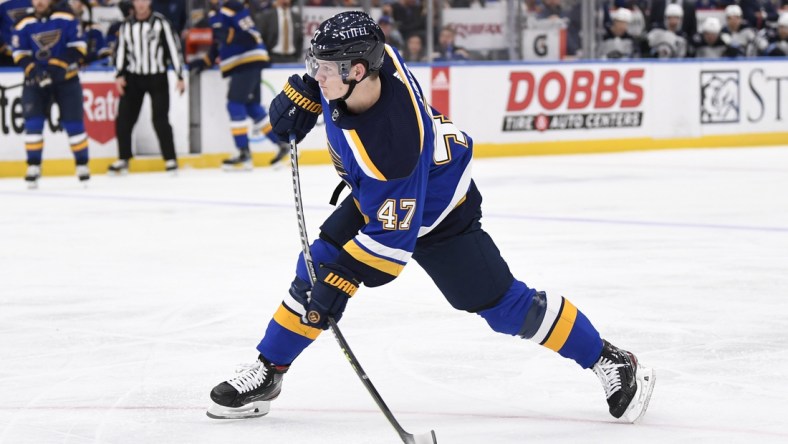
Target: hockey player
x: 708, y: 43
x: 617, y: 43
x: 412, y: 196
x: 49, y: 47
x: 670, y: 42
x: 735, y: 34
x: 773, y: 42
x: 243, y: 56
x: 98, y: 51
x: 11, y: 11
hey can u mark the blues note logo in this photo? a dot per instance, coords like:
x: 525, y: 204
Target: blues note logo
x: 719, y: 97
x: 45, y: 41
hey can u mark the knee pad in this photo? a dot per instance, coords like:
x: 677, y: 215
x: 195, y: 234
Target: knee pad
x: 256, y: 111
x: 511, y: 313
x: 34, y: 125
x: 237, y: 110
x: 74, y: 127
x: 322, y: 252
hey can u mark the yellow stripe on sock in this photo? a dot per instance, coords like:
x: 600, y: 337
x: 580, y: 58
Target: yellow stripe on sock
x: 563, y: 327
x: 292, y: 322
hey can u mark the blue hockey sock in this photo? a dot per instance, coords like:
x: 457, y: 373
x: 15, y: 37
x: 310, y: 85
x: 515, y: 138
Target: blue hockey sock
x: 78, y: 139
x: 238, y: 125
x: 34, y: 139
x: 549, y: 321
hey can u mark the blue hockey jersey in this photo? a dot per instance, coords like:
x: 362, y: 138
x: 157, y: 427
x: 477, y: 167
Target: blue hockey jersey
x: 11, y: 11
x: 409, y: 171
x: 53, y: 40
x: 236, y: 41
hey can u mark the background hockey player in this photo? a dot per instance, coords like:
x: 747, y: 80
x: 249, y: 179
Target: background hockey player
x: 617, y: 43
x: 412, y: 196
x: 11, y: 11
x: 49, y: 47
x: 670, y: 42
x: 735, y: 34
x: 708, y: 42
x: 773, y: 42
x: 98, y: 51
x: 243, y: 56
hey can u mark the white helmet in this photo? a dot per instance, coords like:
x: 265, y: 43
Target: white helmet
x: 733, y: 11
x: 783, y: 20
x: 674, y: 10
x: 622, y: 15
x: 711, y: 25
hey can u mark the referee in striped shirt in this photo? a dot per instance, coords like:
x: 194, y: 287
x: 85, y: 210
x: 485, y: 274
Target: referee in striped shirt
x: 146, y: 46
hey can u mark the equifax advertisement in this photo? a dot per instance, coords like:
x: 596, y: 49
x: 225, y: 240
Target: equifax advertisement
x: 100, y: 101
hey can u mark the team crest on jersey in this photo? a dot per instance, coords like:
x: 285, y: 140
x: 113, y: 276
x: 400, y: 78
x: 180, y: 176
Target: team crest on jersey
x: 18, y: 13
x: 335, y: 115
x: 45, y: 41
x: 337, y: 161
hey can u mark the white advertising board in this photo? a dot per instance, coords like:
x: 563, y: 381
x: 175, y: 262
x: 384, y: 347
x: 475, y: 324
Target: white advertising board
x: 100, y: 104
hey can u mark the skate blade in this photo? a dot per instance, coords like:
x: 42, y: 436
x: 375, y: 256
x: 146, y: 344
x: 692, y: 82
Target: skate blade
x: 251, y: 410
x: 237, y: 168
x: 646, y: 377
x: 32, y: 184
x: 117, y: 173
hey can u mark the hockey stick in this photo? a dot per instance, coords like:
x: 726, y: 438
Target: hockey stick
x: 5, y: 88
x: 407, y: 438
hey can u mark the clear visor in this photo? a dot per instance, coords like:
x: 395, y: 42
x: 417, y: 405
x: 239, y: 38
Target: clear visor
x: 323, y: 68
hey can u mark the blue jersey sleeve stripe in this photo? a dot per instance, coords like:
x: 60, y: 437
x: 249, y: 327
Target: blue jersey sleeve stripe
x: 406, y: 79
x: 378, y: 249
x: 387, y: 266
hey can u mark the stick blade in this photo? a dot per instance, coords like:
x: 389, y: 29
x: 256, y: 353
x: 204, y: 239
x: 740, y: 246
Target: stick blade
x: 424, y: 438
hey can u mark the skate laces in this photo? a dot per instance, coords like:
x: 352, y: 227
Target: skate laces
x: 251, y: 376
x: 607, y: 372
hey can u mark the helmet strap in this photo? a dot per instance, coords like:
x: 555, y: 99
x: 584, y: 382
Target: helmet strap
x: 351, y: 85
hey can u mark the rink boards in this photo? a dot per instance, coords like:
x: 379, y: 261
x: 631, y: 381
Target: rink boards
x: 507, y: 108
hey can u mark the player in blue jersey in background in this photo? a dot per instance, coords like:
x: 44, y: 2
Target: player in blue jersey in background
x: 243, y: 56
x: 412, y: 196
x: 98, y: 50
x: 11, y: 11
x: 49, y: 46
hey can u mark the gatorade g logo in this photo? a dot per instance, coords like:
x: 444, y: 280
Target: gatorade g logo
x: 540, y: 45
x: 100, y: 104
x: 313, y: 317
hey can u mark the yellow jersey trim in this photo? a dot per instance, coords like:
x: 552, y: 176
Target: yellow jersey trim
x: 259, y: 58
x: 378, y: 263
x: 412, y: 93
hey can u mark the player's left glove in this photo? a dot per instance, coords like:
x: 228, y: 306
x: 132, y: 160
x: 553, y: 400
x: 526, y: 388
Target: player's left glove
x: 296, y: 108
x: 334, y: 286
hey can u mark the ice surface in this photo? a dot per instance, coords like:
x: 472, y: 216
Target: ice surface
x: 122, y: 305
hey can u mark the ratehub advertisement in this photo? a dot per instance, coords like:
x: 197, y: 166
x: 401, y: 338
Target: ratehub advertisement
x: 574, y: 98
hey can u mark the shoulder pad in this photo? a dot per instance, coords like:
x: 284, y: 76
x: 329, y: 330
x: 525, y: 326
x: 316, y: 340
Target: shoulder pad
x: 233, y: 6
x: 62, y: 14
x: 26, y: 20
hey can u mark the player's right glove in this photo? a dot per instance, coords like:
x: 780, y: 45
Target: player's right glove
x: 37, y: 75
x: 296, y: 108
x: 333, y: 288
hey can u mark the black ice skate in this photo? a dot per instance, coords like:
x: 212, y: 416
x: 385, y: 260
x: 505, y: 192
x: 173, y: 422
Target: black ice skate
x: 628, y: 385
x: 249, y: 394
x: 284, y: 151
x: 119, y: 167
x: 83, y: 174
x: 32, y: 175
x: 241, y: 162
x: 171, y: 166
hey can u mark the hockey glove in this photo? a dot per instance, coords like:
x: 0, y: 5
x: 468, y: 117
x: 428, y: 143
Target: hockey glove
x: 35, y: 75
x: 333, y: 288
x: 296, y: 108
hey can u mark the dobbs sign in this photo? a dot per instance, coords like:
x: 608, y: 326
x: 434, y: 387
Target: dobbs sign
x: 571, y: 99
